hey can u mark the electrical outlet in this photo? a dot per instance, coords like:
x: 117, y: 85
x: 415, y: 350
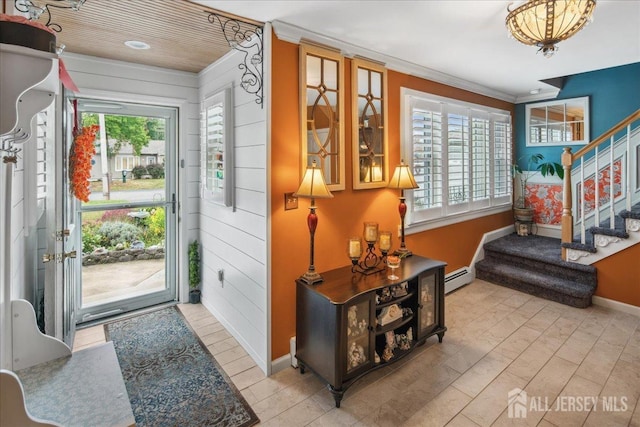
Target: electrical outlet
x: 290, y: 201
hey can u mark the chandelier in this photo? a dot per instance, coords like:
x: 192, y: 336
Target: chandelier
x: 544, y: 23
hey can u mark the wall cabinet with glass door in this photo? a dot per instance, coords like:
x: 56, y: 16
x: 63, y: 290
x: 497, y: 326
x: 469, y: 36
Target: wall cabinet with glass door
x: 351, y: 324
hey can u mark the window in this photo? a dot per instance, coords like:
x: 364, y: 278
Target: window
x: 217, y: 148
x: 151, y: 160
x: 460, y: 155
x: 124, y: 162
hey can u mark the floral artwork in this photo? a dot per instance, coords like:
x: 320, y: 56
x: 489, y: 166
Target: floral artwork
x: 80, y: 155
x: 604, y: 190
x: 546, y: 199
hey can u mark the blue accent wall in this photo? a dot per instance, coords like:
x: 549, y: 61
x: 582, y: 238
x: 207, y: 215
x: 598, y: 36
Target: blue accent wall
x: 614, y: 93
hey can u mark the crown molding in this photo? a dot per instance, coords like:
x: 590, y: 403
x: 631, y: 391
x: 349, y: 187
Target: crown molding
x: 295, y: 34
x: 542, y: 96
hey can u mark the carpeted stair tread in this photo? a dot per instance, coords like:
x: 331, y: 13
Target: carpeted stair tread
x: 538, y: 278
x: 533, y: 264
x: 609, y: 232
x: 580, y: 247
x: 546, y: 250
x: 536, y: 283
x: 634, y: 213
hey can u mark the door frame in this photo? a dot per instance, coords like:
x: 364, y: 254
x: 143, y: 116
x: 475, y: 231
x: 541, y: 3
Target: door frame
x: 181, y: 150
x: 170, y: 292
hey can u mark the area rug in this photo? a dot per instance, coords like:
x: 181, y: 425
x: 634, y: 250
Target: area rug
x: 171, y: 378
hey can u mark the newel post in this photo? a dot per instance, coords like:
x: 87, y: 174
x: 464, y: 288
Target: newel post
x: 567, y: 215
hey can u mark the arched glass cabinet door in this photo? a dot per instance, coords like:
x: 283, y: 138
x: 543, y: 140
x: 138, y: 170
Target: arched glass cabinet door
x: 322, y: 113
x: 370, y: 149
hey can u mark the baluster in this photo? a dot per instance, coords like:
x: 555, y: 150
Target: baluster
x: 628, y: 168
x: 611, y: 191
x: 597, y: 184
x: 583, y: 214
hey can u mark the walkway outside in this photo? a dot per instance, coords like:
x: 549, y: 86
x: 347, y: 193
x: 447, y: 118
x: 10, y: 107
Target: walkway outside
x: 103, y: 283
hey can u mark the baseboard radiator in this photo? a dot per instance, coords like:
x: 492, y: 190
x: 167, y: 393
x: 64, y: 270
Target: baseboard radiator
x: 456, y: 279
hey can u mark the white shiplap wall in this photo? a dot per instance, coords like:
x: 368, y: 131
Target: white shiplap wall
x: 108, y: 79
x: 236, y: 240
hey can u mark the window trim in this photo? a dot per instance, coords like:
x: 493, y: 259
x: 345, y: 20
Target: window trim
x: 444, y: 215
x: 224, y: 196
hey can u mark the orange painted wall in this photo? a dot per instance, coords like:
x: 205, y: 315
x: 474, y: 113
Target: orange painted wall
x: 619, y: 276
x: 343, y: 216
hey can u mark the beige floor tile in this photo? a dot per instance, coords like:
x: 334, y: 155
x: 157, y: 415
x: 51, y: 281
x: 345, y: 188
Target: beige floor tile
x: 334, y: 418
x: 579, y: 393
x: 239, y: 365
x: 492, y: 401
x: 215, y: 337
x: 543, y: 319
x: 440, y: 410
x: 599, y: 362
x: 461, y: 421
x: 473, y: 381
x: 247, y: 378
x: 221, y: 346
x: 300, y: 414
x: 513, y: 346
x: 231, y: 355
x: 576, y: 348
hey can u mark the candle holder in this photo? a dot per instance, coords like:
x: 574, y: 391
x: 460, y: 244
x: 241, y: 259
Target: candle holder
x: 370, y: 264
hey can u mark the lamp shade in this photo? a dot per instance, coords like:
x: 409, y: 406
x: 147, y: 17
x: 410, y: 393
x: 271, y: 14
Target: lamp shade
x: 402, y: 178
x: 313, y: 184
x: 544, y: 23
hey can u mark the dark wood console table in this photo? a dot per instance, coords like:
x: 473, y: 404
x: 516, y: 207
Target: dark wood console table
x: 351, y: 324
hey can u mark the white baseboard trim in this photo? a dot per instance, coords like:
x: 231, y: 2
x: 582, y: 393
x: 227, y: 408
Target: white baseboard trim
x: 486, y: 238
x: 229, y: 327
x: 548, y: 230
x: 281, y: 363
x: 616, y: 305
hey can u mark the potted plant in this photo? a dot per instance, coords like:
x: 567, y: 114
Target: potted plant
x: 194, y: 272
x: 521, y: 208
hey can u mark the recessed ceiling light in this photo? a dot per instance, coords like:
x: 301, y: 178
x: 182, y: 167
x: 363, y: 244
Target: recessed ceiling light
x: 534, y: 91
x: 135, y: 44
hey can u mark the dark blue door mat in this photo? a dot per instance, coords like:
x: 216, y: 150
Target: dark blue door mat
x: 171, y: 378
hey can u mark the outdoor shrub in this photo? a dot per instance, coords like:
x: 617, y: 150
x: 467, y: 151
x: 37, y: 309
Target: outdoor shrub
x: 91, y: 238
x: 153, y: 233
x: 118, y: 232
x: 156, y: 171
x: 116, y: 215
x: 138, y: 171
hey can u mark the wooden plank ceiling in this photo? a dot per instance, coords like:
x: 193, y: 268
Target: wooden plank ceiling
x: 178, y: 31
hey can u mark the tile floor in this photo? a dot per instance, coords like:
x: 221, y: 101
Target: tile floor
x: 498, y: 339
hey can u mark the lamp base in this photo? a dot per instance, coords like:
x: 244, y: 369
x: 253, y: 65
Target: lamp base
x: 402, y: 252
x: 310, y: 278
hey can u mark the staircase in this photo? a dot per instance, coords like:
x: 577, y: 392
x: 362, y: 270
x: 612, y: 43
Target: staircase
x: 603, y: 191
x: 533, y: 264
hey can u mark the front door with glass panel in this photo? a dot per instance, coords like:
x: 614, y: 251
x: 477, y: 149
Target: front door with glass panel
x: 128, y: 224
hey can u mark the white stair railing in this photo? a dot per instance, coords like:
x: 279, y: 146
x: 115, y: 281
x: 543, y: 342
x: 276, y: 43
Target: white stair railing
x: 586, y: 188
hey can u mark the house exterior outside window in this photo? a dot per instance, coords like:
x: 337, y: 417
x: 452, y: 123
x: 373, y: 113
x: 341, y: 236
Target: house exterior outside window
x: 124, y: 162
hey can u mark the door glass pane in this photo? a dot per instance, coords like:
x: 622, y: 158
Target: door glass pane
x: 358, y: 335
x: 127, y: 223
x: 123, y: 254
x: 427, y: 302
